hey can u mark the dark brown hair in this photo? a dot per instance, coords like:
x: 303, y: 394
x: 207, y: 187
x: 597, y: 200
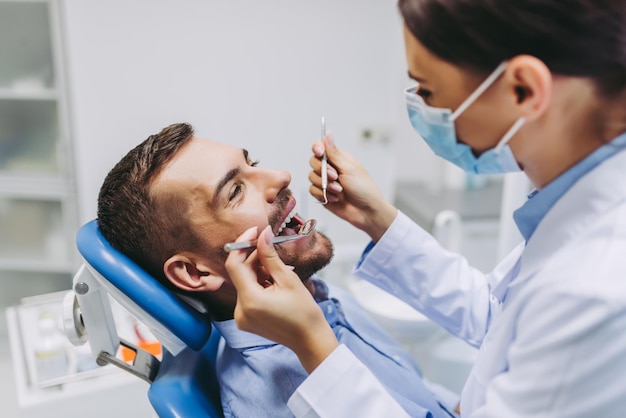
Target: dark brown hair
x: 146, y: 227
x: 584, y: 38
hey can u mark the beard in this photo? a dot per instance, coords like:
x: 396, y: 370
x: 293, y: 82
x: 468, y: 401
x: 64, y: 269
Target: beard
x: 306, y: 263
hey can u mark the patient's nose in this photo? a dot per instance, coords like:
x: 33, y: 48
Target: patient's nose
x: 275, y: 181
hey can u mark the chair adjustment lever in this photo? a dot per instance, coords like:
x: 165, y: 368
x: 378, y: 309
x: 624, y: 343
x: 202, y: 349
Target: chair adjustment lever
x: 144, y: 366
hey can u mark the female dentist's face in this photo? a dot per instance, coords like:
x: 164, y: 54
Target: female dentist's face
x: 445, y: 85
x: 564, y: 118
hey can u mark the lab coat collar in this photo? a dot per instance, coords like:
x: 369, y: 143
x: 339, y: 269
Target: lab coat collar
x: 593, y: 195
x: 538, y: 204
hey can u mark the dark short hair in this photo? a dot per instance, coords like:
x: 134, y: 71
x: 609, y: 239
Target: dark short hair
x: 581, y: 38
x: 148, y: 228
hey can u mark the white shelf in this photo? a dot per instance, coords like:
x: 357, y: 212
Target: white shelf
x: 28, y: 94
x: 25, y: 1
x: 37, y: 266
x: 35, y: 186
x: 38, y: 208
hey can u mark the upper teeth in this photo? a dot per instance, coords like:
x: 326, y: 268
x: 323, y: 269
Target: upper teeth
x: 287, y: 220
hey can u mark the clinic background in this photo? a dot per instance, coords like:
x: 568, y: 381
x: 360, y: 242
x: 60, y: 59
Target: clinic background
x: 258, y: 75
x: 253, y: 74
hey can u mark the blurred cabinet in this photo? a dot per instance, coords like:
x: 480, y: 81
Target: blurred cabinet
x: 85, y: 390
x: 478, y: 212
x: 38, y: 210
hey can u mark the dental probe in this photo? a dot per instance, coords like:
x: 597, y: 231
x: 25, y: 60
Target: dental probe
x: 324, y: 170
x: 231, y: 246
x: 304, y: 231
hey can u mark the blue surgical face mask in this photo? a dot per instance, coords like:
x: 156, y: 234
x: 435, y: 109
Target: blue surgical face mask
x: 436, y: 126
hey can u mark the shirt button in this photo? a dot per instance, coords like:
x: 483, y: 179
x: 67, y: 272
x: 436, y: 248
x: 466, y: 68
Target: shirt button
x: 329, y: 309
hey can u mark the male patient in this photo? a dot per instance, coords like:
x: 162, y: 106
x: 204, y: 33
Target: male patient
x: 173, y: 202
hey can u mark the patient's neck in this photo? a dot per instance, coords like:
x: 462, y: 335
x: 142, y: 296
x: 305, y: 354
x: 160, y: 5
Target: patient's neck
x: 221, y: 303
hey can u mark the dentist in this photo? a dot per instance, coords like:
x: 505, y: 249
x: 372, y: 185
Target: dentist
x: 502, y: 85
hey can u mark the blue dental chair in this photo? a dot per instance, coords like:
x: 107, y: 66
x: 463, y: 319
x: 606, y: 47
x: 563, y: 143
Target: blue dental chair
x: 184, y: 382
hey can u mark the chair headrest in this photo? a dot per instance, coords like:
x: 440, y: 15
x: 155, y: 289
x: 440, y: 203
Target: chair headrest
x: 143, y: 291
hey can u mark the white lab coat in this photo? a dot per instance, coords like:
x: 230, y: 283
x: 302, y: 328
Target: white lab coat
x: 556, y: 347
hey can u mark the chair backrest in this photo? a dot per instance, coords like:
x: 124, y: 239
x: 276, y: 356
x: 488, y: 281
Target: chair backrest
x: 186, y: 383
x: 174, y: 322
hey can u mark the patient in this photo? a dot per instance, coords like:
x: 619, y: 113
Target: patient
x: 173, y: 202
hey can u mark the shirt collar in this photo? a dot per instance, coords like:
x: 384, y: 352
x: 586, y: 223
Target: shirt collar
x: 238, y: 339
x: 539, y: 202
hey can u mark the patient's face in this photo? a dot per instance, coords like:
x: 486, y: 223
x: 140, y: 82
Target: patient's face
x: 229, y: 193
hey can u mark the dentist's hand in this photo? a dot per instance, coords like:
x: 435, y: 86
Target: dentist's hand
x: 352, y: 193
x: 273, y: 302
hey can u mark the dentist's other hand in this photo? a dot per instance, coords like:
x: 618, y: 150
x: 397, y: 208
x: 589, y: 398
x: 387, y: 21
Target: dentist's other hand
x: 273, y: 302
x: 352, y: 193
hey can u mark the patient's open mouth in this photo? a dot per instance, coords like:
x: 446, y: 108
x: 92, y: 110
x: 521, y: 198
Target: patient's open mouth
x: 291, y: 224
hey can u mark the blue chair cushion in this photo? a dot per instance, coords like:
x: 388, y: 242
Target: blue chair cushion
x: 180, y: 318
x: 187, y: 385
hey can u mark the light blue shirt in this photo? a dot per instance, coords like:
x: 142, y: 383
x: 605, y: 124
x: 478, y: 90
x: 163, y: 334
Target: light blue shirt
x: 258, y: 376
x: 539, y: 203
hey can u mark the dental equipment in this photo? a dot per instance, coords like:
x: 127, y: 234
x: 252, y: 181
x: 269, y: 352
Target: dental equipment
x: 184, y: 382
x: 305, y: 230
x: 324, y: 170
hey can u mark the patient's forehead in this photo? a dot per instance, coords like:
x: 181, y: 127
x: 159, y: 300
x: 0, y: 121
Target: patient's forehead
x: 198, y: 166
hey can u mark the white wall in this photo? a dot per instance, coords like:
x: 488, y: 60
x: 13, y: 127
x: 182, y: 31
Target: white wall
x: 258, y: 74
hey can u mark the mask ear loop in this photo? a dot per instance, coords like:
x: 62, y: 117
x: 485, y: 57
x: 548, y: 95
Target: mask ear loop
x: 509, y: 134
x: 480, y: 90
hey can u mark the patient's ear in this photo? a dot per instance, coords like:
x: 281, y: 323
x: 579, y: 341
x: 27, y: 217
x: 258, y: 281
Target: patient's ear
x: 191, y: 274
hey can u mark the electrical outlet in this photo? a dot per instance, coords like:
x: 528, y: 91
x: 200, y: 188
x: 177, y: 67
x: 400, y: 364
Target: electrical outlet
x: 374, y: 134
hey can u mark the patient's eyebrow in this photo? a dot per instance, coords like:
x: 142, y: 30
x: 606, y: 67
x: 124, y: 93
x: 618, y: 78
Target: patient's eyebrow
x: 231, y: 174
